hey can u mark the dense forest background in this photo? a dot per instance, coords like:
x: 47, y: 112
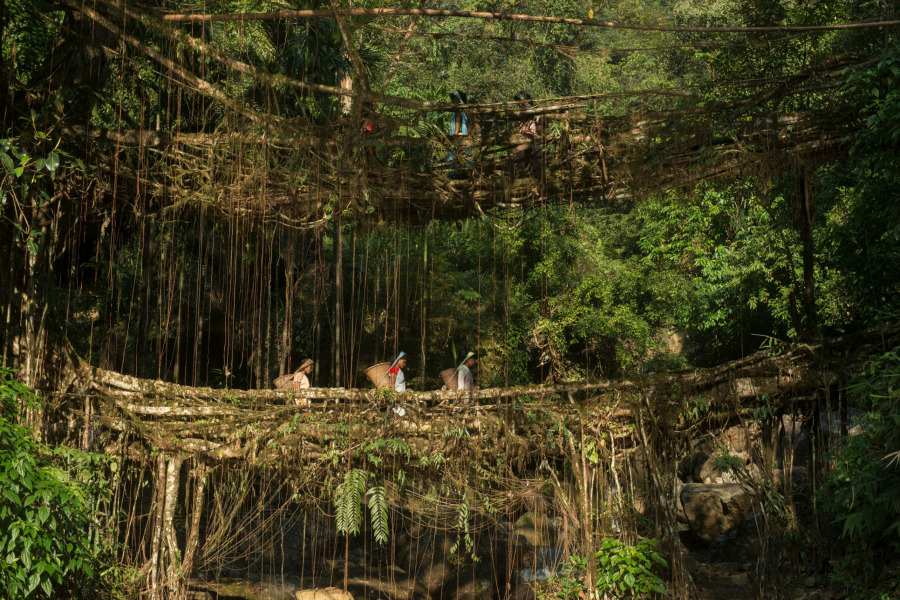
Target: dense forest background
x: 567, y: 293
x: 132, y: 247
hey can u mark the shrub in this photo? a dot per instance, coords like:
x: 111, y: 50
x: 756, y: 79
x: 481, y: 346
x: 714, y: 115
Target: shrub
x: 48, y: 535
x: 862, y: 492
x: 625, y: 571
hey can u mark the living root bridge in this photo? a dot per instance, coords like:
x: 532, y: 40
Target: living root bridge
x: 587, y: 158
x: 229, y: 424
x: 503, y: 16
x: 580, y: 439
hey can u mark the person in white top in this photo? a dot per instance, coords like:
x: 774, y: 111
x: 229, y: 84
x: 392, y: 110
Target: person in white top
x: 464, y: 378
x: 398, y: 381
x: 301, y: 379
x: 528, y: 154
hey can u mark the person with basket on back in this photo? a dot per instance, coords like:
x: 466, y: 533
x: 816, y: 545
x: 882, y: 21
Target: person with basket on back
x: 398, y: 380
x: 464, y: 378
x: 297, y: 381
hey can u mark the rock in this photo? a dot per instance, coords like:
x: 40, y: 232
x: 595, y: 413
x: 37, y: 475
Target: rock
x: 541, y: 564
x: 722, y: 574
x: 711, y: 510
x: 479, y: 589
x: 245, y: 589
x: 740, y: 544
x: 673, y: 339
x: 680, y: 517
x: 395, y: 588
x: 536, y: 530
x: 689, y: 469
x: 738, y: 439
x: 523, y: 592
x: 799, y: 478
x: 831, y: 424
x: 754, y: 473
x: 793, y: 445
x: 710, y: 473
x: 329, y: 593
x: 637, y: 470
x: 276, y: 587
x: 692, y: 565
x: 723, y: 580
x: 737, y: 579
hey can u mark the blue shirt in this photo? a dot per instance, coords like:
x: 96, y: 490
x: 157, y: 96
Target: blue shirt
x: 464, y: 129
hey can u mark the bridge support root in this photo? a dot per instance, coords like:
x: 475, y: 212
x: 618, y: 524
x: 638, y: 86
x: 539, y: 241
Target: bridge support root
x: 165, y: 570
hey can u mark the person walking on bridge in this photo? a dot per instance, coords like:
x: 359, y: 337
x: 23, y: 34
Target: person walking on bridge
x: 459, y: 125
x: 300, y: 380
x: 464, y: 378
x: 398, y: 380
x: 527, y: 154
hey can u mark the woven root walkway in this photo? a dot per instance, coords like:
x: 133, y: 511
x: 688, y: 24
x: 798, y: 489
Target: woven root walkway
x: 234, y: 424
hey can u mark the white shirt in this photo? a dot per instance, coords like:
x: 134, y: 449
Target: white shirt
x: 301, y: 381
x: 400, y: 382
x: 463, y: 377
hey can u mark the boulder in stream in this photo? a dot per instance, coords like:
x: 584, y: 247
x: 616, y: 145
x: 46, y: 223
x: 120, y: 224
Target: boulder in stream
x: 713, y: 509
x: 328, y: 593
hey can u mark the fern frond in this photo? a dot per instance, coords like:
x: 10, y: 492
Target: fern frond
x: 348, y: 501
x: 378, y: 510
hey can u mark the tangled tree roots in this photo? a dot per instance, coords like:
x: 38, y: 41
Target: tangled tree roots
x: 453, y: 461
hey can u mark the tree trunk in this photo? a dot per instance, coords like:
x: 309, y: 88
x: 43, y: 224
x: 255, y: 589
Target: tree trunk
x: 177, y: 370
x: 805, y: 215
x: 422, y: 353
x: 148, y: 251
x: 170, y: 541
x: 267, y: 368
x: 284, y: 359
x: 153, y: 564
x: 338, y: 302
x: 346, y: 101
x: 11, y: 286
x: 39, y: 251
x: 193, y: 536
x: 4, y: 76
x: 164, y: 569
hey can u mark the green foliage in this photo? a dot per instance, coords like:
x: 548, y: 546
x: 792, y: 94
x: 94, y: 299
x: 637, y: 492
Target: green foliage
x: 26, y: 163
x: 50, y: 541
x: 348, y: 498
x: 27, y: 38
x: 862, y: 492
x: 348, y: 501
x: 737, y: 245
x: 726, y: 462
x: 567, y: 583
x: 625, y: 571
x: 12, y: 394
x: 379, y: 512
x: 696, y: 409
x: 861, y: 233
x: 464, y: 539
x: 377, y: 450
x: 877, y: 90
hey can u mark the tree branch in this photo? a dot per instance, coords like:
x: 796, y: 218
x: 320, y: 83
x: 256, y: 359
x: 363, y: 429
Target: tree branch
x: 468, y: 14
